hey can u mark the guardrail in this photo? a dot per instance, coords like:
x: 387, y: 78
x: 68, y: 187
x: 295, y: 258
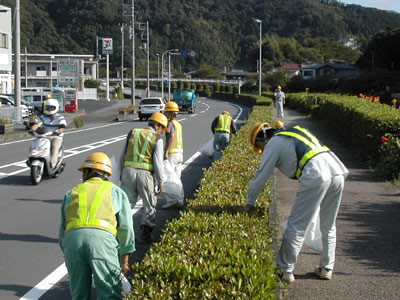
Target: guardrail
x: 12, y: 113
x: 177, y: 79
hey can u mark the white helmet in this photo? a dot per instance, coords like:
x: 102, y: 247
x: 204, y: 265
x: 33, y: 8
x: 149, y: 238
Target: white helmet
x: 51, y: 106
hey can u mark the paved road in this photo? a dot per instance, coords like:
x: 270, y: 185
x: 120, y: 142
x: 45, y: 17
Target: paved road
x: 368, y: 226
x: 29, y: 215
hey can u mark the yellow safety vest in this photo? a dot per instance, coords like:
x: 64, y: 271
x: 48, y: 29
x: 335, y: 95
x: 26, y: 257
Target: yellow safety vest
x: 91, y: 206
x: 177, y: 145
x: 224, y: 123
x: 307, y: 146
x: 139, y: 153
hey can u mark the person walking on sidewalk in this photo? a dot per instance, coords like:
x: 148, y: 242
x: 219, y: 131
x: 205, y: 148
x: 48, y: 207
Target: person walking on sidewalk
x: 298, y: 154
x: 222, y: 127
x: 142, y: 158
x: 279, y: 101
x: 96, y: 232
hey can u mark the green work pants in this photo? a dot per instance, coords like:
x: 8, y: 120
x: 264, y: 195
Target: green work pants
x: 88, y: 252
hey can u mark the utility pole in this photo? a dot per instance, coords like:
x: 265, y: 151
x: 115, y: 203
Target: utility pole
x: 133, y: 92
x: 122, y: 56
x: 148, y: 59
x: 17, y: 74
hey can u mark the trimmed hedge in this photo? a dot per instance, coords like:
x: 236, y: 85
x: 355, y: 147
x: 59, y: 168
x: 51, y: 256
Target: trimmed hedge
x: 357, y: 122
x: 213, y: 251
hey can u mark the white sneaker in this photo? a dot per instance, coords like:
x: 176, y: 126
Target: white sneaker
x: 286, y: 277
x: 323, y: 273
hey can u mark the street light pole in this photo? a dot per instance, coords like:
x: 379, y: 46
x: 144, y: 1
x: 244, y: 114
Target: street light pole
x: 260, y: 59
x: 158, y: 65
x: 17, y: 70
x: 162, y: 69
x: 169, y: 73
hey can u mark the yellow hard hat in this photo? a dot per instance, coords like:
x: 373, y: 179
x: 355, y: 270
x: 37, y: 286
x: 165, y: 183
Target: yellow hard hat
x: 48, y: 96
x: 99, y: 161
x: 279, y: 87
x: 160, y: 119
x: 278, y: 124
x: 226, y: 112
x: 172, y: 106
x: 253, y: 132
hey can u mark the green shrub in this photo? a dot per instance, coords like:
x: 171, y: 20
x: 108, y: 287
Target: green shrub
x: 213, y: 251
x: 79, y: 122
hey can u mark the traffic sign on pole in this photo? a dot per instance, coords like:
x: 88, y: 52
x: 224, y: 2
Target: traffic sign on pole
x: 192, y: 53
x: 107, y: 47
x: 184, y: 53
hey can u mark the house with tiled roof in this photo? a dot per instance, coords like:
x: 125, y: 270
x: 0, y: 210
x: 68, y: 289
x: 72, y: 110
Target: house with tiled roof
x: 334, y: 70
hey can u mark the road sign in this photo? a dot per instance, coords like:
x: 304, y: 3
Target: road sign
x: 192, y: 53
x: 184, y: 53
x: 107, y: 47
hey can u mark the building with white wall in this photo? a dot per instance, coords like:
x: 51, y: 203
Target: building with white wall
x: 5, y: 50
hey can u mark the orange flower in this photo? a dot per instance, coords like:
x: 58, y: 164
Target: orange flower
x: 362, y: 95
x: 384, y: 139
x: 394, y: 101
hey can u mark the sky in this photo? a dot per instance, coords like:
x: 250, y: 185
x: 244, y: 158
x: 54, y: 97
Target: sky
x: 380, y: 4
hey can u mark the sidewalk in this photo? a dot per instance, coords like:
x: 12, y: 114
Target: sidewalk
x: 368, y: 229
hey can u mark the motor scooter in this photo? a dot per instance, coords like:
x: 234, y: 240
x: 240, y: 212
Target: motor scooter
x: 40, y: 155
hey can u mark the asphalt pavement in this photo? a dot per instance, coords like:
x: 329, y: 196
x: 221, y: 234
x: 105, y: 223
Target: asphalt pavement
x: 368, y: 225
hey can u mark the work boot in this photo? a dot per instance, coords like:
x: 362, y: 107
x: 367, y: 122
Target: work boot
x: 145, y: 238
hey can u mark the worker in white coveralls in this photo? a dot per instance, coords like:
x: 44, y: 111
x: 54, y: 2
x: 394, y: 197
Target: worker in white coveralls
x: 96, y: 232
x: 142, y: 157
x: 299, y: 155
x: 279, y: 101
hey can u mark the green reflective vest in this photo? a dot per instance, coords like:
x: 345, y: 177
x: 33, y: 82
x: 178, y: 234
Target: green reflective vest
x: 224, y: 123
x: 91, y: 206
x: 307, y: 146
x: 177, y: 145
x: 139, y: 153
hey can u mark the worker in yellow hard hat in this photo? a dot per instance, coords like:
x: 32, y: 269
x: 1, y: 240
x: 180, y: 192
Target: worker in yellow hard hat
x: 298, y: 154
x: 96, y: 232
x: 173, y: 151
x: 279, y: 101
x: 142, y: 158
x: 279, y: 125
x: 223, y: 126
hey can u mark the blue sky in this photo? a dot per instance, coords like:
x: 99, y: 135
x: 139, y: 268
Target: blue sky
x: 380, y: 4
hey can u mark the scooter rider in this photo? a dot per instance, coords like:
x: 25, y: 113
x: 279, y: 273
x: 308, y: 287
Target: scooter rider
x: 56, y: 123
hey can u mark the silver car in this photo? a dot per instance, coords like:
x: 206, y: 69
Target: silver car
x: 149, y: 106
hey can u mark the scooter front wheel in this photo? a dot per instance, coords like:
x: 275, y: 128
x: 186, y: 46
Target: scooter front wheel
x: 36, y: 175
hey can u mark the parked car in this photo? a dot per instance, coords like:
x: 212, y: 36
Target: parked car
x: 8, y: 101
x: 149, y: 106
x: 29, y: 105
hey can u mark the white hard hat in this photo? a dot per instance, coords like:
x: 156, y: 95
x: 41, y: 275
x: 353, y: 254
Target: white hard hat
x: 51, y: 106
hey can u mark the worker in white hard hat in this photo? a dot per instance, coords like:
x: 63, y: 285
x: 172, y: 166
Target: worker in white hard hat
x: 279, y: 101
x: 96, y: 232
x: 56, y: 123
x: 223, y: 126
x: 142, y: 158
x: 298, y: 154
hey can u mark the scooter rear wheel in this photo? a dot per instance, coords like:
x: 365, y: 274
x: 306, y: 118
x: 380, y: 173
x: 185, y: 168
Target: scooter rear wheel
x: 36, y: 175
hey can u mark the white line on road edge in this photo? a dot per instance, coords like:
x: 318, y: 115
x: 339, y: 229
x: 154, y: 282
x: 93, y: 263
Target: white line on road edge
x: 47, y: 283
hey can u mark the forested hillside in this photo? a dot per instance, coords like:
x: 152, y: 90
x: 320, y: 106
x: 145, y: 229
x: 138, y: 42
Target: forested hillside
x: 223, y: 33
